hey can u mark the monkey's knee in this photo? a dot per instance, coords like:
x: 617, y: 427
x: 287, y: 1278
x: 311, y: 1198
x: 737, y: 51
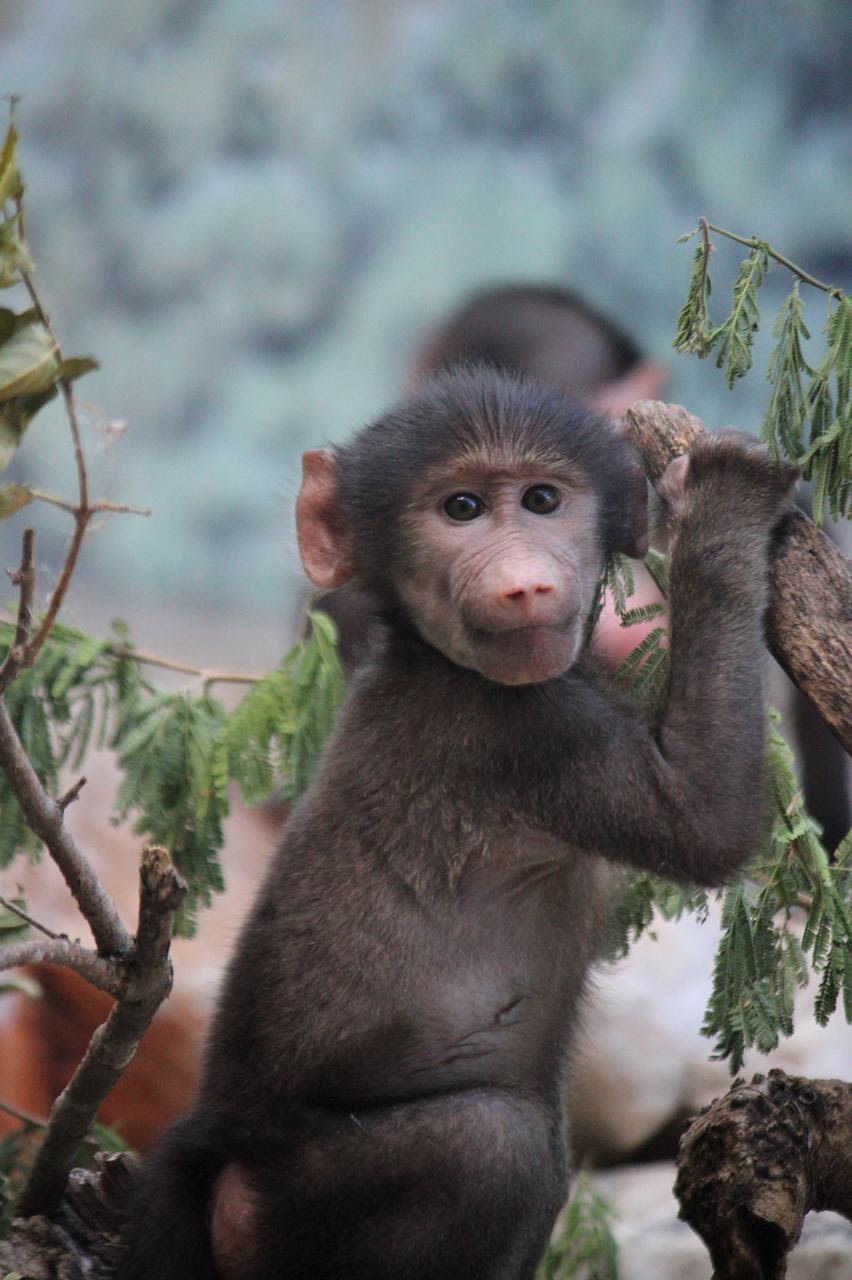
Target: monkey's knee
x: 233, y: 1217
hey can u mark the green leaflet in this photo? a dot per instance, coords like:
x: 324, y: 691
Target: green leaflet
x: 585, y: 1245
x: 178, y: 752
x: 695, y: 334
x: 786, y: 414
x: 760, y: 961
x: 735, y: 335
x: 807, y: 419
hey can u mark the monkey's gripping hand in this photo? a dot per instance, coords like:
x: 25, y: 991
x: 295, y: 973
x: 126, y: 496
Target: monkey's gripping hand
x: 733, y: 474
x: 725, y: 498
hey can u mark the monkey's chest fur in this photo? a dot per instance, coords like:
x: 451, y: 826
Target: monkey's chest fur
x: 414, y: 937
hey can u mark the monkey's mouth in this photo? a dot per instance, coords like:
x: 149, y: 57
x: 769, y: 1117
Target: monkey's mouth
x: 527, y: 654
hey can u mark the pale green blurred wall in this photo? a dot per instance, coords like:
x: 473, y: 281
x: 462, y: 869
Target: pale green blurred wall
x: 250, y: 211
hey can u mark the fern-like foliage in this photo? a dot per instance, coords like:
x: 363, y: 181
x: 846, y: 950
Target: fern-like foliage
x: 735, y: 335
x: 165, y: 758
x: 695, y: 334
x: 786, y: 416
x: 645, y: 669
x: 178, y: 751
x: 585, y: 1247
x: 80, y: 690
x: 788, y: 916
x: 762, y: 958
x: 808, y: 420
x: 828, y: 457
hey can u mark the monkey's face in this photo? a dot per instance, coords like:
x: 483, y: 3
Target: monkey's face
x: 497, y: 568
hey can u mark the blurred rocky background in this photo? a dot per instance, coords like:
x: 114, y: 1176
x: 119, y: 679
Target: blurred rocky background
x: 251, y: 212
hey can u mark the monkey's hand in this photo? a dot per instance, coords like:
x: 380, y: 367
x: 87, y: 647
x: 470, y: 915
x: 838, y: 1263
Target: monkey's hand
x: 730, y: 474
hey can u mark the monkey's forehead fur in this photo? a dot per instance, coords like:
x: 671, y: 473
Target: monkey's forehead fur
x: 478, y: 413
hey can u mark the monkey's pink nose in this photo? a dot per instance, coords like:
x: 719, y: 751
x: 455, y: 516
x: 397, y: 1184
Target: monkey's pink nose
x: 531, y: 600
x: 520, y: 594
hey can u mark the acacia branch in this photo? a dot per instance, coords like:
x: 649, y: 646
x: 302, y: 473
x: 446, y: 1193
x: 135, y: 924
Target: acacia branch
x: 751, y: 242
x: 103, y: 973
x: 207, y: 675
x: 810, y: 607
x: 46, y: 819
x: 756, y: 1161
x: 147, y: 981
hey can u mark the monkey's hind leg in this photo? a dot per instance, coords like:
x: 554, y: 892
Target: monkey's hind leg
x: 460, y: 1187
x: 167, y: 1236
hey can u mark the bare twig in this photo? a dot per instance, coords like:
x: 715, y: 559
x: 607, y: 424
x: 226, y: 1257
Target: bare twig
x: 25, y: 1117
x: 72, y: 794
x: 149, y: 979
x: 103, y: 973
x: 24, y: 915
x: 206, y: 674
x: 83, y: 512
x: 96, y: 508
x: 24, y: 579
x: 45, y: 818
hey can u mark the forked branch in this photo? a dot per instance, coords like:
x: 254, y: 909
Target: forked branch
x: 146, y: 979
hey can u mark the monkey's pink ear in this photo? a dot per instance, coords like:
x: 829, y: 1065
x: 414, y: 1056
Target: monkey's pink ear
x: 320, y: 526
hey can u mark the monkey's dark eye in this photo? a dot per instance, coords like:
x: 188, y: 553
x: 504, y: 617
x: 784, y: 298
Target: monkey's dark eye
x: 463, y: 506
x: 541, y: 499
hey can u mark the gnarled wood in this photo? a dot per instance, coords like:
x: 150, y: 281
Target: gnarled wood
x: 809, y: 624
x: 756, y: 1161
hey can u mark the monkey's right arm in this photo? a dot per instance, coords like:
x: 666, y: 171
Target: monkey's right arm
x: 686, y: 798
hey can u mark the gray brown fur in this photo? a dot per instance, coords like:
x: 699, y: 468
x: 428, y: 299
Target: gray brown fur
x: 389, y: 1062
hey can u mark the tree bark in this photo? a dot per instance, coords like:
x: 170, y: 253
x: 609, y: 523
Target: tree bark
x: 756, y: 1161
x: 83, y: 1240
x: 148, y: 980
x: 809, y: 623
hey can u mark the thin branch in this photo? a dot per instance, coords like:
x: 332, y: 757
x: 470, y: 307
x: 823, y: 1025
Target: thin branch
x: 72, y: 794
x: 118, y: 508
x: 114, y: 1043
x: 24, y: 579
x: 102, y: 973
x: 25, y: 1117
x: 96, y: 508
x: 84, y: 512
x: 24, y: 915
x: 208, y: 675
x: 751, y: 242
x: 45, y: 818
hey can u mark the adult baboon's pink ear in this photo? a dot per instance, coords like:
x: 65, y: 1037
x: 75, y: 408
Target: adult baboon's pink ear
x: 324, y: 543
